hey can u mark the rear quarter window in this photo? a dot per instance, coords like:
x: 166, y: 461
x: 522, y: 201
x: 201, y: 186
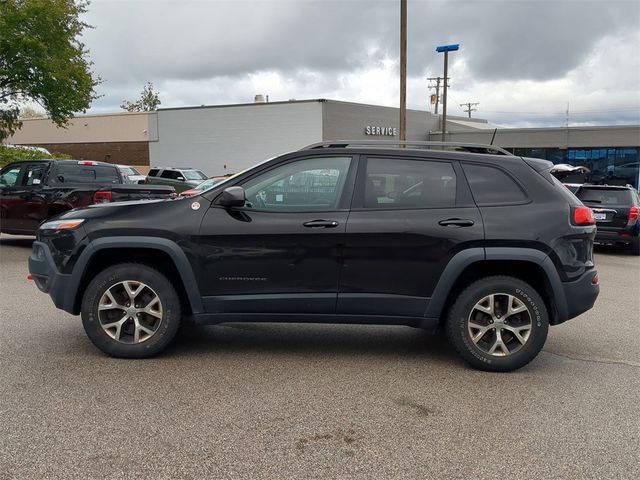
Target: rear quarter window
x: 153, y: 172
x: 491, y: 186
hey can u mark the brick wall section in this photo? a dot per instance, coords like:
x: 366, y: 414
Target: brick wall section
x: 124, y: 153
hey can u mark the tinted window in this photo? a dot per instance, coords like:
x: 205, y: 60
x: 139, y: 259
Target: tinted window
x: 492, y: 186
x: 10, y: 176
x: 86, y: 174
x: 172, y: 174
x: 305, y: 185
x: 604, y: 196
x: 402, y: 183
x: 153, y: 172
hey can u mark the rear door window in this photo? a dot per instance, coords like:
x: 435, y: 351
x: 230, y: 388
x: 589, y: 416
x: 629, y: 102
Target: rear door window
x: 408, y: 183
x: 34, y: 174
x: 171, y: 174
x: 492, y: 186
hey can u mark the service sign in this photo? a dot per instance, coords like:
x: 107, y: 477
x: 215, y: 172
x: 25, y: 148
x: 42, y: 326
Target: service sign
x: 380, y: 131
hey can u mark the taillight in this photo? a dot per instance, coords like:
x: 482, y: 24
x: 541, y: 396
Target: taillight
x: 633, y: 214
x: 583, y: 216
x: 102, y: 196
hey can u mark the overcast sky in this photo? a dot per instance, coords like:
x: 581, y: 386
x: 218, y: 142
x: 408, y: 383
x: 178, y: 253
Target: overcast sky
x: 524, y: 61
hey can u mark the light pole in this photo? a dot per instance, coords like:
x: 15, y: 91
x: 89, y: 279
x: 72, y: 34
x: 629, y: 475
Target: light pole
x: 446, y: 49
x: 403, y: 69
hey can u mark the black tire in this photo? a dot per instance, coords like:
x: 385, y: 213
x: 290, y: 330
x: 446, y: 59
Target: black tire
x: 166, y: 324
x: 634, y: 247
x: 460, y: 336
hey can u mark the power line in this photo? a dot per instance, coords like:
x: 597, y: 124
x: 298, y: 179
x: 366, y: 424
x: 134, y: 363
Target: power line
x: 573, y: 112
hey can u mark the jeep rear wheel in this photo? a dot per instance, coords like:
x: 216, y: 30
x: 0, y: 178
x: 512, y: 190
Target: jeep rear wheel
x: 498, y: 324
x: 131, y: 311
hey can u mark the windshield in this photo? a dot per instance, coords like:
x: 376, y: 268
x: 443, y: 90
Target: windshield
x: 209, y: 183
x: 194, y: 175
x: 129, y: 171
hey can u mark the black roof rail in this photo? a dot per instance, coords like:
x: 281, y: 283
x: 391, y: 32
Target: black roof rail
x: 467, y: 147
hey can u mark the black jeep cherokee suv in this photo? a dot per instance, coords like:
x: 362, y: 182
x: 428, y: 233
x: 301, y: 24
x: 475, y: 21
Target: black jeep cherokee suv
x: 486, y: 244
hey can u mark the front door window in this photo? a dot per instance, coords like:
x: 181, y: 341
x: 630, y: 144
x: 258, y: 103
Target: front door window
x: 314, y: 184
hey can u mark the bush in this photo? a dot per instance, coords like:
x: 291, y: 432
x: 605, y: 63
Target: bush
x: 17, y: 154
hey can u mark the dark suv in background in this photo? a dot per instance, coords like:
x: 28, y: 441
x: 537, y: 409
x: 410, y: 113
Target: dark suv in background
x: 615, y: 209
x: 483, y: 243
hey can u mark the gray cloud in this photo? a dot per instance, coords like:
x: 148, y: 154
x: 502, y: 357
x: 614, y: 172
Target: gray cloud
x: 313, y: 45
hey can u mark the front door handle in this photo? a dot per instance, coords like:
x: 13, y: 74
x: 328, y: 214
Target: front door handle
x: 321, y: 224
x: 456, y: 222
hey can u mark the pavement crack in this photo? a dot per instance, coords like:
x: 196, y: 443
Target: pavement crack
x: 604, y: 361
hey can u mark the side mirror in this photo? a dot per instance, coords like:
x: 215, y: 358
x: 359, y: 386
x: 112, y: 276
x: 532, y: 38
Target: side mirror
x: 181, y: 178
x: 233, y: 197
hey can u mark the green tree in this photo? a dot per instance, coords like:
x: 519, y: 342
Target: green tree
x: 148, y: 101
x: 43, y: 60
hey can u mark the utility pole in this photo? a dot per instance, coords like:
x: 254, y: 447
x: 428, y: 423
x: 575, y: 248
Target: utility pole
x: 470, y: 107
x: 437, y: 88
x: 403, y: 69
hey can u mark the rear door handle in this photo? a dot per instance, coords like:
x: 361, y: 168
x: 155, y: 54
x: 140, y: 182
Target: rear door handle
x: 321, y: 224
x: 456, y: 222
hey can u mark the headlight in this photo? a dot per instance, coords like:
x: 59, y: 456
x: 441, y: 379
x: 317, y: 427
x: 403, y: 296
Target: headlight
x: 62, y: 224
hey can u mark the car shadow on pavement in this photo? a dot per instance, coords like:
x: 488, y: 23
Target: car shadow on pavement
x: 613, y: 250
x: 310, y: 339
x: 16, y: 241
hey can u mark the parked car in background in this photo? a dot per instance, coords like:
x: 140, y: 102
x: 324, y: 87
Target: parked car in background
x: 130, y: 174
x: 206, y: 185
x: 489, y: 246
x: 179, y: 178
x: 33, y: 191
x: 616, y: 210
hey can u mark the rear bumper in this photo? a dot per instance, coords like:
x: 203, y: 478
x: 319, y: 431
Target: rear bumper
x: 580, y: 294
x: 49, y: 280
x: 627, y: 235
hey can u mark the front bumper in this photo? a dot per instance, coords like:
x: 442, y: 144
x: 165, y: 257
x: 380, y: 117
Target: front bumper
x: 49, y: 280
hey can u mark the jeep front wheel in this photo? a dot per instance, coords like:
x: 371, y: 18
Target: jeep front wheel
x: 498, y: 324
x: 131, y: 311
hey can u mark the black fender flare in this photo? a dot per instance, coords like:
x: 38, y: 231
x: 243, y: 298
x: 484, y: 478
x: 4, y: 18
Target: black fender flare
x: 167, y: 246
x: 463, y: 259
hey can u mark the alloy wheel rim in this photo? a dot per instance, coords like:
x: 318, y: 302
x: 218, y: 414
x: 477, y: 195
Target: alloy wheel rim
x: 130, y: 312
x: 499, y: 324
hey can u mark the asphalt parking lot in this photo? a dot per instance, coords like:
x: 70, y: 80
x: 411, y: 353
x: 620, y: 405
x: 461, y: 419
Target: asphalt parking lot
x: 313, y: 401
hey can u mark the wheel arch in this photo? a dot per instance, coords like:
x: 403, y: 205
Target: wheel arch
x: 529, y: 265
x: 159, y: 253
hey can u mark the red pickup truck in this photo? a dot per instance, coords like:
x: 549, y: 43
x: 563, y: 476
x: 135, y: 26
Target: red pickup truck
x: 33, y: 191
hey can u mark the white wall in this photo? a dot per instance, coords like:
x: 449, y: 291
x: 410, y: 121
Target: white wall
x: 238, y: 136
